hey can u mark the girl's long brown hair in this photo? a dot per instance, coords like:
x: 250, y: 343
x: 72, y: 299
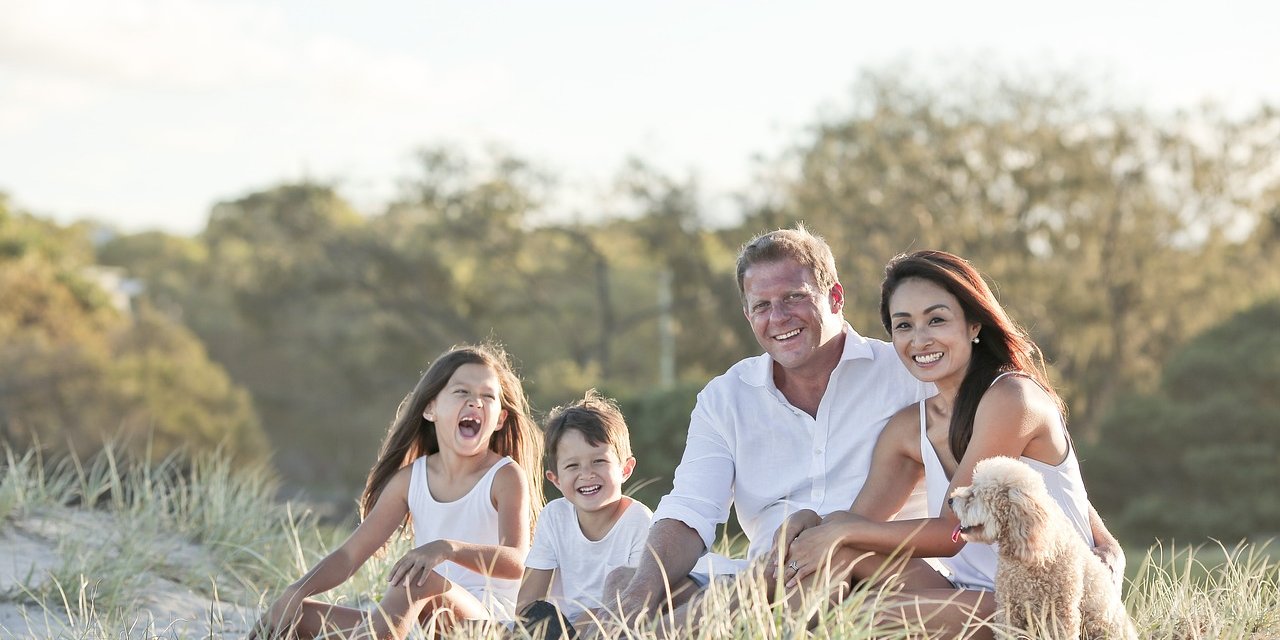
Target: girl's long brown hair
x: 411, y: 436
x: 1003, y: 345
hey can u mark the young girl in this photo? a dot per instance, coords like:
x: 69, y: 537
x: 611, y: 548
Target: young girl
x: 993, y: 399
x: 460, y: 463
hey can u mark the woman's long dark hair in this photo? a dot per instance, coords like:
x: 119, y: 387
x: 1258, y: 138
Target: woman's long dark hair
x: 412, y: 436
x: 1003, y: 345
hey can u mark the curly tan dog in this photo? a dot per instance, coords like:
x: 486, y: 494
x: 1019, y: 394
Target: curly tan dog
x: 1046, y: 572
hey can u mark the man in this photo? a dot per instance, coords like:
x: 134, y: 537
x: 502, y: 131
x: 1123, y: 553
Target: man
x: 791, y: 429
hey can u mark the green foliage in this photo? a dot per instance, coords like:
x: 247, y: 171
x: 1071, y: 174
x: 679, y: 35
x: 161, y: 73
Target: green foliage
x: 658, y: 421
x: 146, y: 531
x: 1196, y: 458
x: 1086, y: 216
x: 76, y: 370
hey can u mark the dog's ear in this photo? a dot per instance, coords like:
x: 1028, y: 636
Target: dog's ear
x: 1025, y: 527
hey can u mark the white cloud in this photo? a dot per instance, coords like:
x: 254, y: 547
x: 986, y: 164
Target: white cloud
x: 202, y: 46
x: 180, y: 44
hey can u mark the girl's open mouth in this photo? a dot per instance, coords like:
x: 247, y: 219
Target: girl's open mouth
x: 469, y: 427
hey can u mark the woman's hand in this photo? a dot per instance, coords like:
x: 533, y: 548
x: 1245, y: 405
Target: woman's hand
x: 813, y: 548
x: 279, y: 620
x: 793, y: 526
x: 416, y: 566
x: 1112, y: 556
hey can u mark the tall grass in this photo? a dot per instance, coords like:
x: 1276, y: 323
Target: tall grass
x: 206, y: 525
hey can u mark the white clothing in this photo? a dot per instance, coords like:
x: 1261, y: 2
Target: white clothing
x: 974, y: 566
x: 471, y: 518
x: 749, y: 446
x: 584, y: 564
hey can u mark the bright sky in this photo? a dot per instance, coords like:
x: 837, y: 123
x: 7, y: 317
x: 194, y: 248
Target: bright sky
x: 144, y: 113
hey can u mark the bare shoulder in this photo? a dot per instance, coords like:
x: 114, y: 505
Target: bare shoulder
x: 902, y: 432
x: 510, y: 477
x: 1017, y: 396
x: 397, y: 488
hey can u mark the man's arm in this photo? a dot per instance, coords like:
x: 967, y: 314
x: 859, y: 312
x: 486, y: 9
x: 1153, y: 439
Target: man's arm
x: 673, y: 547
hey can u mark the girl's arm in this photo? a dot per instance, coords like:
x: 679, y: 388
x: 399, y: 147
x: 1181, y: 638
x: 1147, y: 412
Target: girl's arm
x: 503, y: 560
x: 385, y: 517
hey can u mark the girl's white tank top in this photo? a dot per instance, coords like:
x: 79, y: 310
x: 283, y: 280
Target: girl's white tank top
x: 974, y: 566
x: 471, y: 518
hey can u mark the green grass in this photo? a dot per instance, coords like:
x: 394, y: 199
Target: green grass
x: 207, y: 527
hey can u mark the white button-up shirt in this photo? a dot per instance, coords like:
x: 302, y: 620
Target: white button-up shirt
x: 748, y: 445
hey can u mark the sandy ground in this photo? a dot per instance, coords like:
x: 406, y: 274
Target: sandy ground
x: 31, y: 549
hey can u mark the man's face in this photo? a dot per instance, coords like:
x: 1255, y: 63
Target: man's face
x: 791, y: 318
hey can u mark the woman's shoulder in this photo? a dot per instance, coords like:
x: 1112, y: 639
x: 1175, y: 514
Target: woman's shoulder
x: 902, y: 432
x: 905, y: 419
x: 1017, y: 394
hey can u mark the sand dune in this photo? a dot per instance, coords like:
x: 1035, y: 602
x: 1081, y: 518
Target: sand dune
x: 46, y: 543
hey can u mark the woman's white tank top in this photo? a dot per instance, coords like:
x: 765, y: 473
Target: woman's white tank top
x: 974, y: 566
x: 471, y: 518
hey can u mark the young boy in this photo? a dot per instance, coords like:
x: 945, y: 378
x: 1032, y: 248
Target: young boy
x: 593, y: 530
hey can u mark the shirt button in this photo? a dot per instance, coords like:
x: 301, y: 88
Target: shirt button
x: 817, y: 452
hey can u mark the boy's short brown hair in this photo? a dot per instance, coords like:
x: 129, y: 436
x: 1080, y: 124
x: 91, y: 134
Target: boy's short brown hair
x: 597, y: 418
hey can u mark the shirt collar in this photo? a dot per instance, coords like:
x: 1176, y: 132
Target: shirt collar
x: 855, y: 346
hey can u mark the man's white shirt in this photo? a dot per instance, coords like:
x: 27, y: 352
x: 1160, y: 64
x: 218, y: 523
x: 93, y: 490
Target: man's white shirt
x: 748, y: 446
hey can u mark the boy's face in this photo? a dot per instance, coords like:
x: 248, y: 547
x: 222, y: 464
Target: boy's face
x: 590, y: 476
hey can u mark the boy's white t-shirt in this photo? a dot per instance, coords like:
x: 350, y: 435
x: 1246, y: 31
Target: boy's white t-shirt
x: 583, y: 564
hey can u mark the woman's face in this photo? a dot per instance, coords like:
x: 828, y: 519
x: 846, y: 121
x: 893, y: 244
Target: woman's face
x: 930, y: 332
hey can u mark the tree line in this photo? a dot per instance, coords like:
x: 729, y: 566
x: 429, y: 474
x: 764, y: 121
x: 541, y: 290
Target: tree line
x: 1115, y: 235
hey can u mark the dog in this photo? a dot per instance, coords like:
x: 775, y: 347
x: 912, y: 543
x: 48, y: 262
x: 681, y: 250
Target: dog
x: 1046, y: 574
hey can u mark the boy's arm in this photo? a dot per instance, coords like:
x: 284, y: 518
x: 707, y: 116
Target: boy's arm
x: 536, y: 585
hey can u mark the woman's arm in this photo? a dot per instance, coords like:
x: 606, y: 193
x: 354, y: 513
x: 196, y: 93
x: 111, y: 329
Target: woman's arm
x: 1106, y: 547
x: 1009, y: 415
x: 503, y: 560
x: 896, y: 469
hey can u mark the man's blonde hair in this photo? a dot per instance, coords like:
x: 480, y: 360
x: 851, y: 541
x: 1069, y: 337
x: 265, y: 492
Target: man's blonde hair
x: 797, y: 244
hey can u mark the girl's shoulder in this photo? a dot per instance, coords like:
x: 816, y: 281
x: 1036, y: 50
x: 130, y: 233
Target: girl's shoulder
x: 398, y: 485
x: 508, y: 476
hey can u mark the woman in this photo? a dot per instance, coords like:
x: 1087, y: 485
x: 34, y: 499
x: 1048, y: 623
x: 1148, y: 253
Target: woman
x: 993, y: 399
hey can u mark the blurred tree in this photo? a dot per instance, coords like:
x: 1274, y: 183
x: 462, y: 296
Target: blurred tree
x: 1086, y: 216
x: 76, y: 370
x: 697, y: 266
x: 1193, y: 459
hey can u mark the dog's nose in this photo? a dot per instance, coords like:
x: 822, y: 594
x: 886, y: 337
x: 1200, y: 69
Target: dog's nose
x: 951, y: 502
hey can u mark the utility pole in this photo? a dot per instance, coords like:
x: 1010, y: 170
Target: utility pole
x: 666, y: 332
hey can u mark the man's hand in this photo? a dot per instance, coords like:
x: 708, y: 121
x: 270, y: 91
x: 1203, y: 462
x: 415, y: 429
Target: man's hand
x: 812, y: 550
x: 791, y: 528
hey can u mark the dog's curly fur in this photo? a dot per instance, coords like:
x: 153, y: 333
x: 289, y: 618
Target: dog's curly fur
x: 1046, y: 573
